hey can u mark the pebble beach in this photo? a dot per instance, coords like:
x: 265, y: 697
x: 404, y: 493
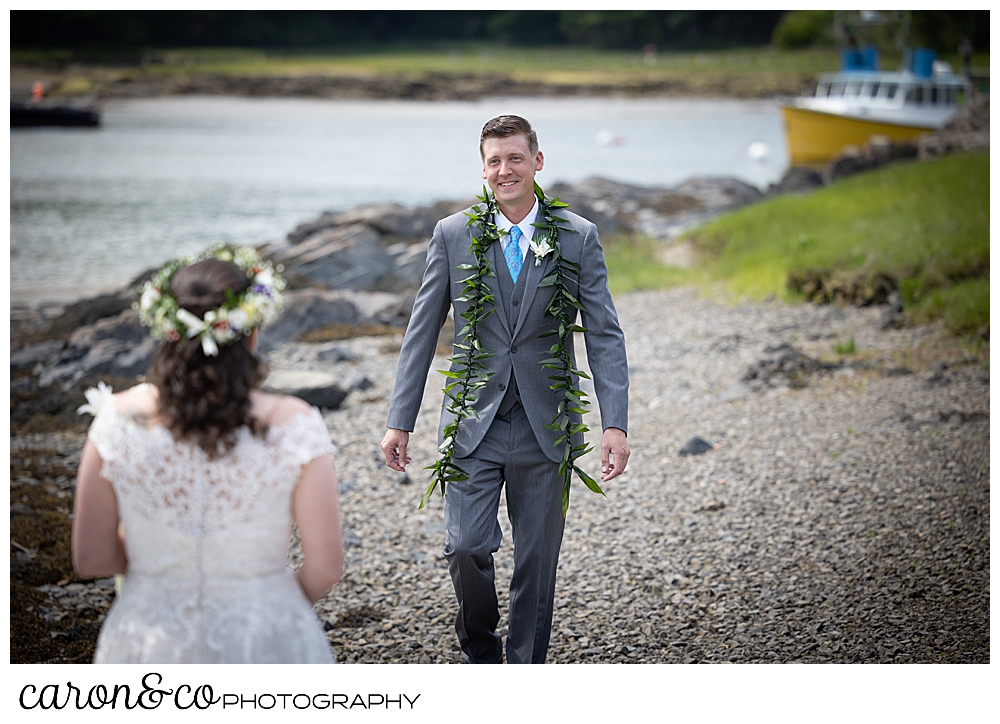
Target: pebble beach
x: 839, y: 514
x: 843, y: 520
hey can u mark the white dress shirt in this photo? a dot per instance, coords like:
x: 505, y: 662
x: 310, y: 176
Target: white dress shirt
x: 525, y: 225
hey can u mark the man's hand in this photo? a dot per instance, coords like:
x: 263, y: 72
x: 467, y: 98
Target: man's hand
x: 614, y: 453
x: 394, y: 448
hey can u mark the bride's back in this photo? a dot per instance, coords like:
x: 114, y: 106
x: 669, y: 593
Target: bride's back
x: 206, y: 475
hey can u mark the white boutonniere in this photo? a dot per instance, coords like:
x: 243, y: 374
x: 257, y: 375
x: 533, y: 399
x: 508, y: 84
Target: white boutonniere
x: 541, y: 245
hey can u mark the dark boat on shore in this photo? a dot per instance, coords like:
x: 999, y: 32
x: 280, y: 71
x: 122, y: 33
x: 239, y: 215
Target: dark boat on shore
x: 27, y: 115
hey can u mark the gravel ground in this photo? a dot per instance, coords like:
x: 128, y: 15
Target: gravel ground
x: 842, y: 519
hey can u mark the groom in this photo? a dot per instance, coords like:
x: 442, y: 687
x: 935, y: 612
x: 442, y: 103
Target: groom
x: 508, y: 443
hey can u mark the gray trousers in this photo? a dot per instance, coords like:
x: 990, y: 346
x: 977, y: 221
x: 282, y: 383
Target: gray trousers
x: 508, y: 454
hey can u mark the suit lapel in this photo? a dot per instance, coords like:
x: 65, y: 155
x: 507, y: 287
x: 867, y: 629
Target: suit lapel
x: 498, y: 265
x: 535, y: 274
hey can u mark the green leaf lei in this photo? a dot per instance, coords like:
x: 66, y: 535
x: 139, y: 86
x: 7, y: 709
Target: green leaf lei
x: 470, y: 374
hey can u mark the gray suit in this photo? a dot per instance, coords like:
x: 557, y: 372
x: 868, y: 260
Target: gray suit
x: 509, y: 442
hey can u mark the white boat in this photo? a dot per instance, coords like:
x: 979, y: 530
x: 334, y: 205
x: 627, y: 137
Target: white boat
x: 849, y: 106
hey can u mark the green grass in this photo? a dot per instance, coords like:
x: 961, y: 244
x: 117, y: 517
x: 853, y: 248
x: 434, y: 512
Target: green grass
x: 926, y: 225
x: 633, y: 264
x: 556, y: 65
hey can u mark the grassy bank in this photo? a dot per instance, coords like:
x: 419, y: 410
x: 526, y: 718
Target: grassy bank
x: 922, y: 227
x: 743, y: 72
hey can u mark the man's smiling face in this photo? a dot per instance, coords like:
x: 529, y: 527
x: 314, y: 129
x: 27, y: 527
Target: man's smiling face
x: 509, y: 169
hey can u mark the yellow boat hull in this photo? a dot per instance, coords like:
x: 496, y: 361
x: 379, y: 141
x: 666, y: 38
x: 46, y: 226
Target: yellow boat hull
x: 814, y: 137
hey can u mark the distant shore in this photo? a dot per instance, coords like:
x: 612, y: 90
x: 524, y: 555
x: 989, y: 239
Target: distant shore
x: 100, y: 82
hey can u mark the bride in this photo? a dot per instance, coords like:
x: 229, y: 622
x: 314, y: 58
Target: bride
x: 190, y: 484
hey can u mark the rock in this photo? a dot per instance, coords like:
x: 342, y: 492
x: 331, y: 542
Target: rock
x: 30, y: 356
x: 117, y: 345
x: 849, y: 161
x: 326, y: 220
x: 736, y: 391
x: 655, y: 211
x: 89, y: 311
x: 344, y: 257
x: 892, y: 313
x: 305, y: 310
x: 783, y: 366
x: 711, y: 507
x: 797, y: 179
x: 358, y: 381
x: 410, y: 263
x: 351, y: 539
x: 394, y: 219
x: 317, y: 388
x: 332, y: 352
x: 696, y: 446
x: 124, y: 327
x: 136, y: 360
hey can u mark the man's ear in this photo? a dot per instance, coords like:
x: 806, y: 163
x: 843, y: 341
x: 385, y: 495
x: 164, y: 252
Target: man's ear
x: 539, y: 162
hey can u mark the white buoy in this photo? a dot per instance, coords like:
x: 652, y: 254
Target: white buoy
x: 609, y: 138
x: 758, y: 151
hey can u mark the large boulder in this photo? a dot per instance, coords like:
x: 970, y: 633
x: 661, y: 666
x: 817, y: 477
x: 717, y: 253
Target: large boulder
x: 117, y: 345
x: 317, y: 388
x: 394, y: 220
x: 661, y: 213
x: 343, y: 257
x: 409, y: 261
x: 305, y: 310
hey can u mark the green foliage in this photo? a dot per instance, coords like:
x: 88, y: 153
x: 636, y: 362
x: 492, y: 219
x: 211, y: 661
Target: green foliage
x: 925, y: 225
x: 635, y: 263
x: 468, y: 374
x: 804, y: 28
x: 943, y: 29
x: 121, y: 29
x: 964, y: 307
x: 845, y: 347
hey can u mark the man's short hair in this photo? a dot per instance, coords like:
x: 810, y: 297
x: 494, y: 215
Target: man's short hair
x: 505, y: 127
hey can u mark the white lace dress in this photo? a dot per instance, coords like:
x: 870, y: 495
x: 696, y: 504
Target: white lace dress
x: 207, y: 544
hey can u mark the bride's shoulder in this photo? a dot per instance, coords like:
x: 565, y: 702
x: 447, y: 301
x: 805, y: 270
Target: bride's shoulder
x: 277, y: 409
x: 141, y: 400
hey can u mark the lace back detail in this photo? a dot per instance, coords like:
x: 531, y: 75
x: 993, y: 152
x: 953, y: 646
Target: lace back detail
x: 207, y: 541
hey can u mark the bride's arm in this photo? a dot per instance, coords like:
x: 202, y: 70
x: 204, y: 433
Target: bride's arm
x: 98, y: 546
x: 316, y: 508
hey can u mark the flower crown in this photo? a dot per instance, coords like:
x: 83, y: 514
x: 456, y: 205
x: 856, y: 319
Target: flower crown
x: 238, y: 315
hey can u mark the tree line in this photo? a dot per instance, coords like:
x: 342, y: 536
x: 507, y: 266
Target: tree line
x: 130, y: 30
x: 326, y: 29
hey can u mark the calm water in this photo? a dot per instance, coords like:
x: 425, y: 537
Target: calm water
x: 90, y: 209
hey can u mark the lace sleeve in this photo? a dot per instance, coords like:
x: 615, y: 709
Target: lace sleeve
x: 304, y: 438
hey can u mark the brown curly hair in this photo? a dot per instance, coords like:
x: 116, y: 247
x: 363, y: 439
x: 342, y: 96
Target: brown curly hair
x: 206, y: 400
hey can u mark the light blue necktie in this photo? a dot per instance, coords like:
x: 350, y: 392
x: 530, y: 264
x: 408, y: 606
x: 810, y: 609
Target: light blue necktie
x: 513, y: 253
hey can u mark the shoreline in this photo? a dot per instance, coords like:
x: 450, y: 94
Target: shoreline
x: 111, y: 83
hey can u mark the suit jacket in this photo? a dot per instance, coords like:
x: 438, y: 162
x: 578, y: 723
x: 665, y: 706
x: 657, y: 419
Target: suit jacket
x: 515, y: 345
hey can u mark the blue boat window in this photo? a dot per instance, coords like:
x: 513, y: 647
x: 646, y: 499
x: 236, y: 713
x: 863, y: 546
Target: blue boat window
x: 890, y: 91
x: 875, y: 87
x: 934, y: 95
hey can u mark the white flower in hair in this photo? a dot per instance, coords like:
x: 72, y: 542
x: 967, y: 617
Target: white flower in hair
x: 150, y: 295
x: 236, y: 317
